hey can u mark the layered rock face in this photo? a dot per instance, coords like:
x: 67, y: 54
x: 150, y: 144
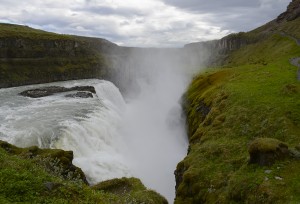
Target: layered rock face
x: 29, y: 56
x: 213, y: 53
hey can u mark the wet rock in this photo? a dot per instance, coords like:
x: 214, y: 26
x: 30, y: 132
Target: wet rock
x: 48, y: 91
x: 81, y: 94
x: 265, y: 151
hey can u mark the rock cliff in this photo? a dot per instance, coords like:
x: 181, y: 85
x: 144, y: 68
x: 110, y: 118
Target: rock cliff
x: 292, y: 12
x: 29, y: 56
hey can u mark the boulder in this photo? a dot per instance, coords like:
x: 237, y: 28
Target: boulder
x: 265, y: 151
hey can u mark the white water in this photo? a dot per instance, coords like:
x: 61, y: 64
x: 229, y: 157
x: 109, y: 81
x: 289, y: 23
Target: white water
x: 144, y: 137
x: 89, y: 127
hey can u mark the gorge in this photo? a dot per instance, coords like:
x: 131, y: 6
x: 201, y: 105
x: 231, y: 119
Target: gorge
x: 147, y: 112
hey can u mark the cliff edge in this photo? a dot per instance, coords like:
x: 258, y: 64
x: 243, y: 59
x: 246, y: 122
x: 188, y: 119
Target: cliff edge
x: 243, y: 120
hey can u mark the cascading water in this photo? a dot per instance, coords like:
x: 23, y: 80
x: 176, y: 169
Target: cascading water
x: 143, y: 137
x: 89, y: 127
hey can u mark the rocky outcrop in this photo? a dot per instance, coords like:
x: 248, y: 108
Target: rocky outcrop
x: 292, y: 12
x: 265, y: 151
x: 85, y: 91
x: 55, y: 161
x: 180, y: 169
x: 213, y: 53
x: 124, y: 186
x: 33, y: 175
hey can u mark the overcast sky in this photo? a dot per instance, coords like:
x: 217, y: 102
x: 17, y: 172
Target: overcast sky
x: 144, y: 23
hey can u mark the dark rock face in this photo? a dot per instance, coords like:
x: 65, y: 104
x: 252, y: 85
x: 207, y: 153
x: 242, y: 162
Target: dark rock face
x: 203, y: 109
x: 81, y: 94
x: 293, y: 12
x: 85, y: 91
x: 265, y: 151
x: 180, y: 169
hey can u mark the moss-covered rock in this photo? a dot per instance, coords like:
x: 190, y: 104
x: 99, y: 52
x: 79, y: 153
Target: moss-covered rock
x: 33, y: 175
x: 131, y: 186
x: 266, y: 151
x: 54, y: 160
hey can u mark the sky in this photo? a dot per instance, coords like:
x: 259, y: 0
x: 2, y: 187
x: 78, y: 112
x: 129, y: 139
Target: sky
x: 143, y: 23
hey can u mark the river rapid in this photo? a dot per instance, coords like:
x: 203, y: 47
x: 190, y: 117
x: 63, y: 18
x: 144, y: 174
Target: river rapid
x: 111, y: 136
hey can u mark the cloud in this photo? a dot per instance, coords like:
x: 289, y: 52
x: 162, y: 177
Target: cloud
x: 159, y: 23
x: 212, y: 6
x: 234, y: 15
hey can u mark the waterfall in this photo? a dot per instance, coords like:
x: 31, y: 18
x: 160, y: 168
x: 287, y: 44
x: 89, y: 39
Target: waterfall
x: 143, y: 137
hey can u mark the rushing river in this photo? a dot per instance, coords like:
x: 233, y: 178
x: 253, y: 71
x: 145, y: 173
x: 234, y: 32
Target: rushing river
x: 143, y: 136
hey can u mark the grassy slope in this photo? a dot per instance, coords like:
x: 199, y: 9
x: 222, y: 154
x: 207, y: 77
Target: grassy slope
x: 23, y: 180
x: 11, y: 30
x: 256, y: 95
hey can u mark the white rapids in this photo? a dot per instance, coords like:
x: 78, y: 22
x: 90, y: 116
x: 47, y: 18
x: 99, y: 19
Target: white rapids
x: 107, y: 142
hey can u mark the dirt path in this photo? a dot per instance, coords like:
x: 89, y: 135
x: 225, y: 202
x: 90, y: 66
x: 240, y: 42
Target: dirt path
x: 296, y: 60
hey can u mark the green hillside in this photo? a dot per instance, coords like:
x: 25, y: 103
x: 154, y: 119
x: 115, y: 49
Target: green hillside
x: 255, y: 94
